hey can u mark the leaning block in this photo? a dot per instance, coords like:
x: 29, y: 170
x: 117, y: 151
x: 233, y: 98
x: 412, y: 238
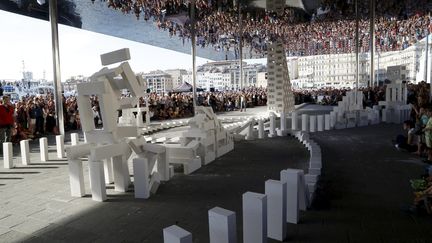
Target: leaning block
x: 8, y: 156
x: 254, y: 218
x: 141, y: 177
x: 276, y: 209
x: 60, y: 147
x: 115, y: 57
x: 43, y: 148
x: 292, y: 179
x: 222, y: 226
x: 175, y: 234
x: 108, y: 170
x: 25, y: 152
x: 283, y: 121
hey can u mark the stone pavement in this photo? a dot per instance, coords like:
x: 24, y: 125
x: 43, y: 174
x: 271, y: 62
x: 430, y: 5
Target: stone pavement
x: 364, y: 182
x: 36, y: 206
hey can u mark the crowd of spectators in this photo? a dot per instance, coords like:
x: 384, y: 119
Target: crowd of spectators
x: 331, y: 29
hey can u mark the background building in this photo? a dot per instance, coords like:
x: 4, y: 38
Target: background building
x: 158, y: 81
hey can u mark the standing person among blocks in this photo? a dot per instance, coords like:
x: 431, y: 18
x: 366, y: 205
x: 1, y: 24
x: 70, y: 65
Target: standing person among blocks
x: 6, y: 119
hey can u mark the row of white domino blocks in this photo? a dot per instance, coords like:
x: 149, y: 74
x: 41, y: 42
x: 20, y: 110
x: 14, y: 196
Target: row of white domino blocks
x: 43, y: 149
x: 164, y: 125
x: 315, y: 161
x: 264, y: 215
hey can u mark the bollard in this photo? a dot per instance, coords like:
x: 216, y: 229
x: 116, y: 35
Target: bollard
x: 276, y: 192
x: 305, y: 118
x: 175, y: 234
x: 60, y: 146
x: 254, y: 218
x: 8, y: 156
x: 25, y: 152
x: 260, y: 129
x: 43, y: 148
x: 312, y: 124
x: 327, y: 122
x: 222, y: 226
x: 294, y: 121
x: 320, y: 123
x: 74, y: 138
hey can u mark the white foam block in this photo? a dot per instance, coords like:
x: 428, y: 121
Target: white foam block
x: 25, y: 152
x: 294, y: 121
x: 313, y: 123
x: 320, y: 123
x: 254, y: 217
x: 141, y: 175
x: 76, y: 178
x: 8, y: 156
x: 222, y: 226
x: 115, y: 56
x: 305, y: 120
x: 327, y: 122
x: 60, y: 147
x: 97, y: 180
x: 292, y: 179
x: 175, y: 234
x: 260, y: 129
x: 276, y: 209
x: 43, y: 148
x: 74, y: 138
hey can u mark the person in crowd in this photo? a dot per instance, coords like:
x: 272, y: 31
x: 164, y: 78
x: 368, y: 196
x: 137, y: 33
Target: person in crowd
x: 409, y: 141
x: 7, y: 121
x: 428, y: 136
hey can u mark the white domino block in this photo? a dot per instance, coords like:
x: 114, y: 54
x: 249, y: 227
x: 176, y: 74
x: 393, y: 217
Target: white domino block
x: 175, y: 234
x: 283, y: 121
x: 294, y: 121
x: 121, y: 176
x: 312, y: 123
x: 115, y: 57
x: 320, y: 123
x: 74, y: 138
x: 305, y: 121
x: 25, y: 152
x: 272, y: 131
x: 260, y: 129
x: 60, y: 147
x: 108, y: 170
x: 222, y: 226
x: 141, y: 176
x: 292, y: 179
x: 276, y: 192
x: 97, y: 180
x: 76, y: 178
x: 43, y: 148
x: 8, y: 156
x: 327, y: 122
x: 254, y: 218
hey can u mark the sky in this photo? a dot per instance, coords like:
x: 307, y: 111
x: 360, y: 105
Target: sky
x: 28, y: 39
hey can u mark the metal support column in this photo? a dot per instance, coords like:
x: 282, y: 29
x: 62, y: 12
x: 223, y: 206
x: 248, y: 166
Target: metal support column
x: 58, y: 97
x: 240, y: 44
x: 357, y: 46
x: 372, y: 42
x: 193, y: 41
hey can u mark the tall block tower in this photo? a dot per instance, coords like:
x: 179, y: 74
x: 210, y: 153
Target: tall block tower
x: 280, y: 97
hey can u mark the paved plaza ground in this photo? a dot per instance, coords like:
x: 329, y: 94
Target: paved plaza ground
x: 365, y: 181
